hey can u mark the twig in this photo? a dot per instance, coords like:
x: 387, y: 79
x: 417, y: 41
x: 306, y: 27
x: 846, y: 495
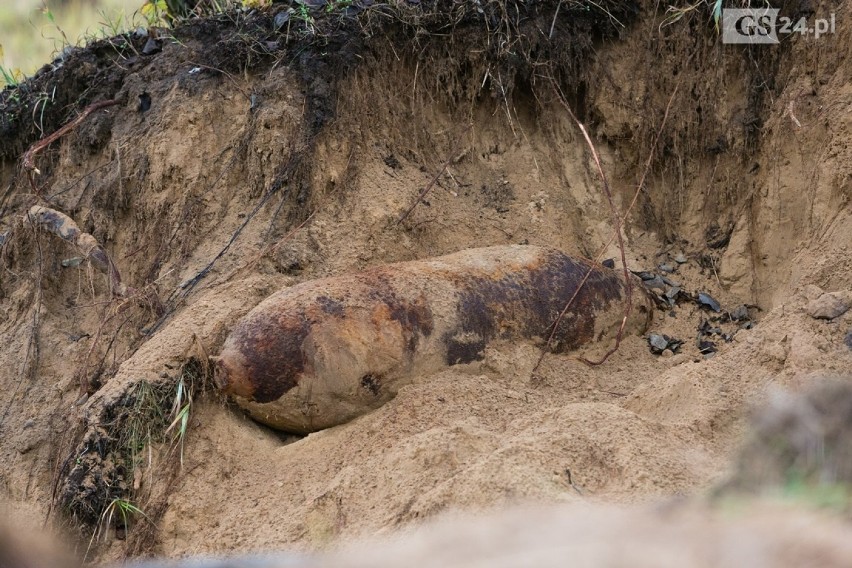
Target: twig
x: 616, y: 235
x: 641, y: 183
x: 269, y: 248
x: 83, y: 374
x: 186, y: 287
x: 71, y: 185
x: 225, y: 73
x: 553, y: 24
x: 434, y: 180
x: 616, y: 219
x: 571, y: 481
x: 29, y: 156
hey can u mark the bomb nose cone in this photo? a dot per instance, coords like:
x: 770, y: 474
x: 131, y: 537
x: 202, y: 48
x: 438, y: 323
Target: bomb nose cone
x: 229, y: 376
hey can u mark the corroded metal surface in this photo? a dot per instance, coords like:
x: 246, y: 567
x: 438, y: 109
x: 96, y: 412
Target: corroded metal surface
x: 322, y: 352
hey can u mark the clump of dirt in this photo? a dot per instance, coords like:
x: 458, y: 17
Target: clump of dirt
x: 256, y: 149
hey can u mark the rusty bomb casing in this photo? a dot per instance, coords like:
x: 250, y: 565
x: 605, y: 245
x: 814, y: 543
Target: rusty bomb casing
x: 322, y: 352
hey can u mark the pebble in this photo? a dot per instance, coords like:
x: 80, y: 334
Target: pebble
x: 708, y: 301
x: 152, y: 46
x: 848, y: 339
x: 281, y: 18
x: 667, y: 268
x: 828, y: 306
x: 657, y: 342
x: 680, y: 258
x: 740, y: 313
x: 655, y: 282
x: 667, y: 354
x: 679, y: 359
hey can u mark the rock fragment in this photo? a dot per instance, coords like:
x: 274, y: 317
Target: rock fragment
x: 828, y: 306
x: 708, y: 301
x: 740, y: 313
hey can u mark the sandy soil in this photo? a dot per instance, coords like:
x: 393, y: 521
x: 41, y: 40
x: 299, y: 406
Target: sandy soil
x: 319, y: 193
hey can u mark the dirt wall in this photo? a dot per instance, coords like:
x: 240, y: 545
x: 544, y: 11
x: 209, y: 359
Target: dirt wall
x: 232, y: 167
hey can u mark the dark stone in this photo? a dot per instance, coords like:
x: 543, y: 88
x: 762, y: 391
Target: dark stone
x: 152, y: 46
x: 392, y: 162
x: 144, y: 102
x: 655, y: 282
x: 717, y: 237
x: 707, y: 301
x: 657, y: 342
x: 281, y: 19
x: 740, y: 313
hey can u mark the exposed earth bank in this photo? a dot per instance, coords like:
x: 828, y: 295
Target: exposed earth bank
x: 252, y: 151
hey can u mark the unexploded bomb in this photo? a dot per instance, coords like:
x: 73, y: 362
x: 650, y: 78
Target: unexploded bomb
x: 320, y: 353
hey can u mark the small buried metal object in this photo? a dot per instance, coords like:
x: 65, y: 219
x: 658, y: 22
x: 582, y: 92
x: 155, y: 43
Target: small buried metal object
x: 320, y: 353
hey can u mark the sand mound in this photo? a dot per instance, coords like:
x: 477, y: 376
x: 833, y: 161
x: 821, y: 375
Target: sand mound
x: 242, y: 158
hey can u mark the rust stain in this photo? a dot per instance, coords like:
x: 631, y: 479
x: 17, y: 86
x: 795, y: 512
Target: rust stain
x: 525, y: 303
x: 272, y: 360
x: 414, y: 317
x: 331, y: 306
